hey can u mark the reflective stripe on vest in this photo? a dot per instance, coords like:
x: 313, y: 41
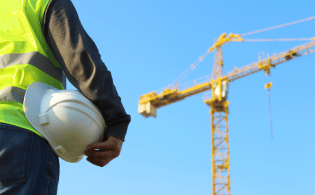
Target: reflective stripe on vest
x: 34, y: 58
x: 12, y: 94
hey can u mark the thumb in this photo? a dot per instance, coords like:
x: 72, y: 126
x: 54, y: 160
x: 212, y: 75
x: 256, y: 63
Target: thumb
x: 108, y: 144
x: 96, y: 145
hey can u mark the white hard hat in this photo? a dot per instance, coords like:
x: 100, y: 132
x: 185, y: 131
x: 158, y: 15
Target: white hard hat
x: 65, y: 118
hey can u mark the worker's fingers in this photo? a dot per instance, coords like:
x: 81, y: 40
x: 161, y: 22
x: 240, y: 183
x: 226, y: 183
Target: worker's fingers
x: 112, y: 143
x: 103, y: 148
x: 97, y: 162
x: 100, y: 154
x: 101, y: 158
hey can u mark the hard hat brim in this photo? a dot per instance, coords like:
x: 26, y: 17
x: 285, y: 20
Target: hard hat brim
x: 32, y: 101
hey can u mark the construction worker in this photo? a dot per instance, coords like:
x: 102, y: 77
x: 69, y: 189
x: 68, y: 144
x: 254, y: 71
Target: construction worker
x: 44, y: 41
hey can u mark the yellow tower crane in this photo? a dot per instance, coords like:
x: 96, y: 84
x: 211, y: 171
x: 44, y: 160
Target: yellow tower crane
x: 219, y: 84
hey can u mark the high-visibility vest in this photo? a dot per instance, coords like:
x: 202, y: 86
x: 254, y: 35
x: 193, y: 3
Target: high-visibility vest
x: 25, y: 58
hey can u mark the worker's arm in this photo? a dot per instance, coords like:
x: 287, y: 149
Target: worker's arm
x: 81, y: 62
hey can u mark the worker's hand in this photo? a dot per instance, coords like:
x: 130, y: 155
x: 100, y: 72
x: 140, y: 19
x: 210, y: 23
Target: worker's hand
x: 108, y: 150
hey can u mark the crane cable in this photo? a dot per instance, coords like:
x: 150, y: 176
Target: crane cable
x: 278, y: 26
x: 268, y: 86
x: 270, y: 114
x: 201, y: 58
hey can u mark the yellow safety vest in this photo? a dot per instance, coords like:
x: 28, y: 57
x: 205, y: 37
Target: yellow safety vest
x: 25, y: 57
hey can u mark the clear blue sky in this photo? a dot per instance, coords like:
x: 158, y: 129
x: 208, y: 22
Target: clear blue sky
x: 147, y: 44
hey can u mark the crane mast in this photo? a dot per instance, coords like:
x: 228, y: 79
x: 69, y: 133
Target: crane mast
x: 219, y: 85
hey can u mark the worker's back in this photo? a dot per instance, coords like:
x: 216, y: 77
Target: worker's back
x: 44, y: 41
x: 24, y: 57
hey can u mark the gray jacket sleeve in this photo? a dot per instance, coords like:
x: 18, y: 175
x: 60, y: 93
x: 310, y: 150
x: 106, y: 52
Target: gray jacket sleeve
x: 81, y: 62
